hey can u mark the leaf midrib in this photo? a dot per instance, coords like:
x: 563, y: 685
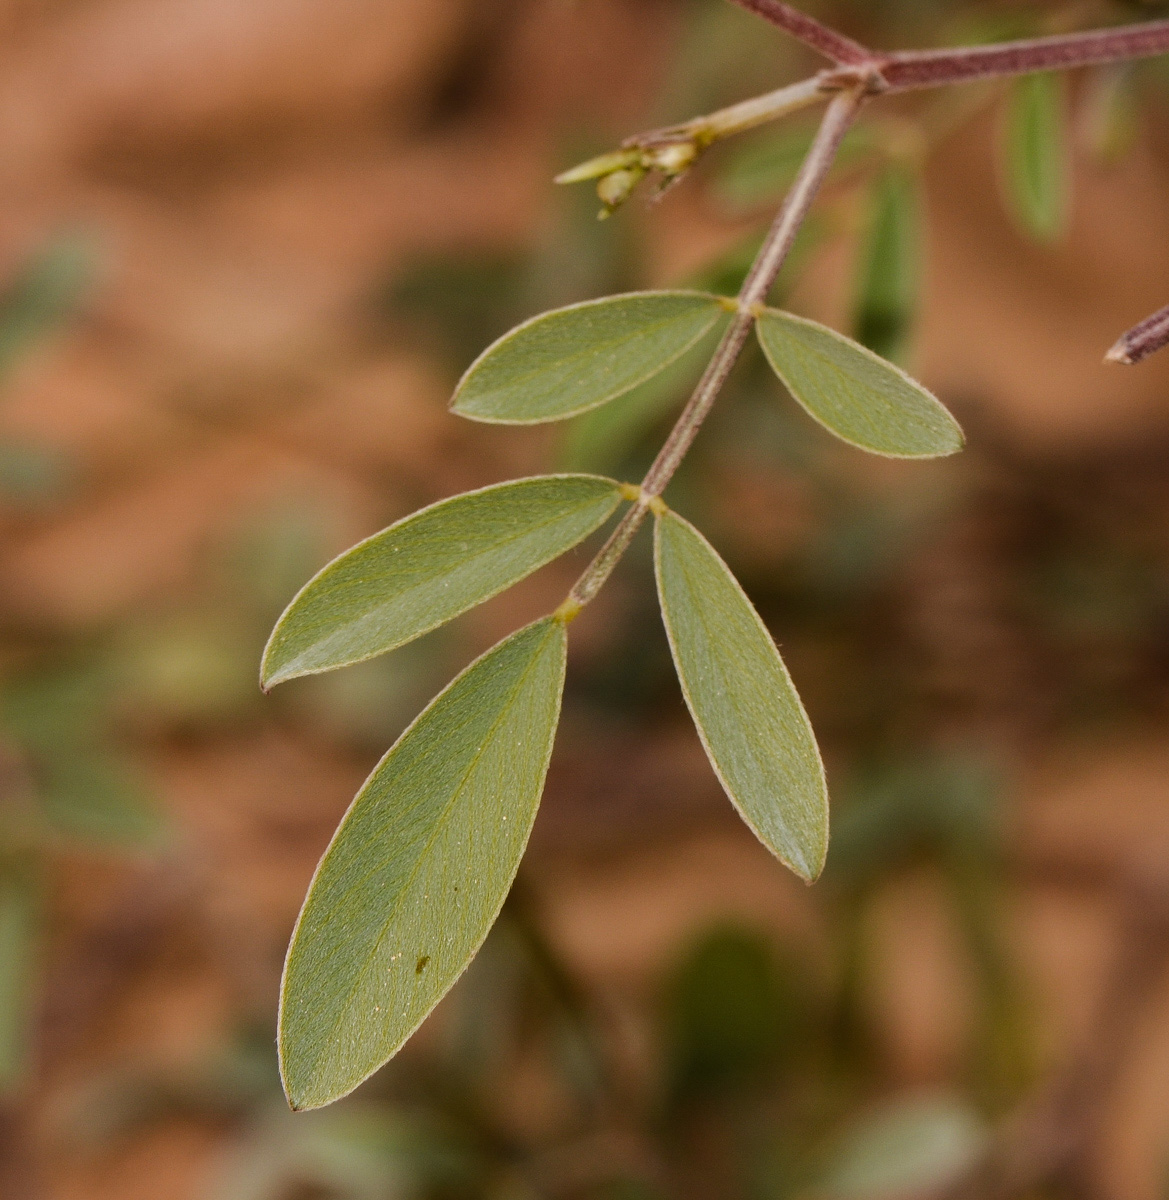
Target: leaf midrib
x: 724, y: 678
x: 348, y: 626
x: 590, y: 351
x: 923, y: 410
x: 439, y: 823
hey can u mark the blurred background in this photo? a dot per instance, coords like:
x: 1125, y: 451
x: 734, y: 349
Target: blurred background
x: 245, y: 250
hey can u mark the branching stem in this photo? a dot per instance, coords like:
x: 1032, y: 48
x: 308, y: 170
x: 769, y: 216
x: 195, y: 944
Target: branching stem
x: 737, y: 118
x: 908, y: 70
x: 829, y: 42
x: 936, y: 68
x: 858, y: 74
x: 770, y: 259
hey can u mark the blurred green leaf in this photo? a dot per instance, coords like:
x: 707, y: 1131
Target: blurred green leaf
x: 189, y: 670
x: 357, y: 1152
x: 20, y: 934
x: 467, y: 300
x: 419, y: 868
x: 887, y: 288
x: 910, y: 1145
x: 727, y: 1015
x: 725, y: 273
x: 750, y: 719
x: 1109, y: 117
x: 1036, y: 162
x: 430, y: 567
x: 763, y: 168
x: 31, y: 476
x: 43, y: 295
x: 46, y: 708
x: 369, y: 704
x: 94, y: 798
x: 947, y: 805
x: 858, y: 396
x: 565, y: 362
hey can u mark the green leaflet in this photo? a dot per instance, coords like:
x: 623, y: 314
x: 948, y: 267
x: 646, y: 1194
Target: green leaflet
x: 602, y: 439
x: 1036, y: 167
x: 850, y: 390
x: 419, y: 867
x: 748, y: 714
x: 568, y: 361
x: 430, y: 567
x: 890, y: 265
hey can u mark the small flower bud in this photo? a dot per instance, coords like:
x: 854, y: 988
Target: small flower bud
x: 615, y: 188
x: 673, y: 158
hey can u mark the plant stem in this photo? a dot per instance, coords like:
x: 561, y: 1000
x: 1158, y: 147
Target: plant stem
x: 829, y: 42
x: 840, y: 115
x: 1144, y: 339
x: 737, y: 118
x: 904, y: 71
x: 934, y: 68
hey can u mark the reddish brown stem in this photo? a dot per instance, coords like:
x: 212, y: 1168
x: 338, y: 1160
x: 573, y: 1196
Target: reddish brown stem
x: 934, y: 68
x: 1142, y: 340
x: 833, y: 45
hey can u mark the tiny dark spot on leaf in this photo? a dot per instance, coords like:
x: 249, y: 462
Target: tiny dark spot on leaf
x: 421, y: 966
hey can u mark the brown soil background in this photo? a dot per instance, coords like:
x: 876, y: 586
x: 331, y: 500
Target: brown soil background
x: 251, y: 172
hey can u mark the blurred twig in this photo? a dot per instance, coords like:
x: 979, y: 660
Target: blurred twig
x: 1050, y: 1141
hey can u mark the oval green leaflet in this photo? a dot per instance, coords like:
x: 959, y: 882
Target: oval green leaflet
x: 419, y: 868
x: 890, y: 265
x: 572, y: 359
x: 853, y: 392
x: 430, y: 567
x: 1036, y: 166
x: 751, y: 721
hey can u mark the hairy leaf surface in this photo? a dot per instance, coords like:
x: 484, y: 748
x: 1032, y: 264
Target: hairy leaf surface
x: 748, y: 714
x: 419, y: 867
x: 851, y: 391
x: 568, y: 361
x: 430, y: 567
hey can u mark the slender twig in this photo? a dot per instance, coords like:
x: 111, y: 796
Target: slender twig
x: 936, y: 68
x: 672, y: 150
x: 829, y: 42
x: 1142, y: 340
x: 860, y: 72
x: 775, y: 249
x: 737, y: 118
x: 766, y: 267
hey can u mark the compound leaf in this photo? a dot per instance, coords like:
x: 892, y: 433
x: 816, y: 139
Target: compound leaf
x: 568, y: 361
x: 419, y: 867
x: 750, y: 719
x: 851, y: 391
x: 1037, y: 170
x: 430, y: 567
